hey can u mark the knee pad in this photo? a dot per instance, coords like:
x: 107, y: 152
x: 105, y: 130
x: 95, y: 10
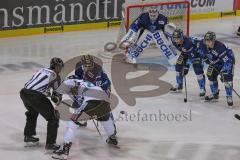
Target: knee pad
x: 228, y: 84
x: 226, y: 77
x: 200, y: 76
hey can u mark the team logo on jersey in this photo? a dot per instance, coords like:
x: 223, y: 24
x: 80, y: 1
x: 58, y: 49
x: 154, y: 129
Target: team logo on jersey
x: 161, y: 22
x: 152, y: 28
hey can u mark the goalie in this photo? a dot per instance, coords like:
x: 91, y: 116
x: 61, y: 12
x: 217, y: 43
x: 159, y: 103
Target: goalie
x: 152, y: 21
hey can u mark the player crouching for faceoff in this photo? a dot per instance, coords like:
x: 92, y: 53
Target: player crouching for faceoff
x: 88, y: 70
x: 36, y: 102
x: 91, y: 100
x: 189, y: 55
x: 221, y: 61
x: 152, y: 21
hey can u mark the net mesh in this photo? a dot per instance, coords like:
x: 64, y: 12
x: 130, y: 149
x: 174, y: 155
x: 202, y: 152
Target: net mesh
x: 176, y: 11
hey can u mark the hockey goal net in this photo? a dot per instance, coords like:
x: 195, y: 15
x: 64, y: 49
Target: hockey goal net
x: 177, y: 11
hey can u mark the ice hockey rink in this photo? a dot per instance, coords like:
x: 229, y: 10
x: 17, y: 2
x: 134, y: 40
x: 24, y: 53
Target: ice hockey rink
x: 208, y: 132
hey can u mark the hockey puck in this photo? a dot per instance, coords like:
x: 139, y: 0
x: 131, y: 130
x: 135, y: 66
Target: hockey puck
x: 185, y: 100
x: 237, y: 116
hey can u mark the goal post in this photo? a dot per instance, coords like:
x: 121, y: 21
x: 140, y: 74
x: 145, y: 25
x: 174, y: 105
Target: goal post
x: 177, y: 11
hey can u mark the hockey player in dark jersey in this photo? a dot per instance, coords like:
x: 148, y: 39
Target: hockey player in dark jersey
x: 189, y: 55
x: 151, y: 21
x: 36, y: 102
x: 221, y: 62
x: 88, y: 70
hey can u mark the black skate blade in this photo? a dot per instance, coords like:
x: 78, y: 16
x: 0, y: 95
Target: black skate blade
x: 60, y: 157
x: 48, y: 152
x: 114, y: 146
x: 212, y: 101
x: 31, y: 144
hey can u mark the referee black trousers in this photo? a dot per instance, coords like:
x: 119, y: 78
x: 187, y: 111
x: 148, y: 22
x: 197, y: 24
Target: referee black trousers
x: 37, y: 103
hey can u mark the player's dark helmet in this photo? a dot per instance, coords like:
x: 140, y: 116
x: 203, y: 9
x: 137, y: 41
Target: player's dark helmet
x: 210, y: 36
x: 56, y: 62
x: 178, y: 33
x: 87, y: 62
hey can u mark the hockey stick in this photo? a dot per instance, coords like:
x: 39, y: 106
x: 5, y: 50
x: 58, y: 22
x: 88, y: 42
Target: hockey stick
x: 65, y: 103
x: 236, y: 93
x: 97, y: 129
x: 92, y: 120
x: 185, y: 84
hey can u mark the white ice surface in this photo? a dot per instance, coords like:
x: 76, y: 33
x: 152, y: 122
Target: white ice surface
x: 212, y: 133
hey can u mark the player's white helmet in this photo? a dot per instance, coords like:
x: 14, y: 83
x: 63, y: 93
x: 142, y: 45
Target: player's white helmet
x: 153, y: 13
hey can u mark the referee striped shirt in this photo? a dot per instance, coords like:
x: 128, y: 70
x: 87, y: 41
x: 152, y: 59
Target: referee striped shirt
x: 42, y: 80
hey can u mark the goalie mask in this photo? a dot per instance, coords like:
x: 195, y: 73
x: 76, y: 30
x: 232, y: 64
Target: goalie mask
x: 153, y: 13
x: 87, y: 62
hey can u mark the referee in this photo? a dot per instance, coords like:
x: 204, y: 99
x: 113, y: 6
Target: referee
x: 36, y: 102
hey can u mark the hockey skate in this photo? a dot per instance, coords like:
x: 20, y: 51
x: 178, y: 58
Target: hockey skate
x: 202, y: 93
x: 63, y: 152
x: 229, y: 102
x: 177, y: 89
x: 130, y: 60
x: 50, y: 148
x: 112, y: 141
x: 238, y: 32
x: 212, y: 97
x: 31, y: 141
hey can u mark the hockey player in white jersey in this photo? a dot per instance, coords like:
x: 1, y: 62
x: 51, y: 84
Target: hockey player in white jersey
x: 93, y: 101
x: 155, y: 24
